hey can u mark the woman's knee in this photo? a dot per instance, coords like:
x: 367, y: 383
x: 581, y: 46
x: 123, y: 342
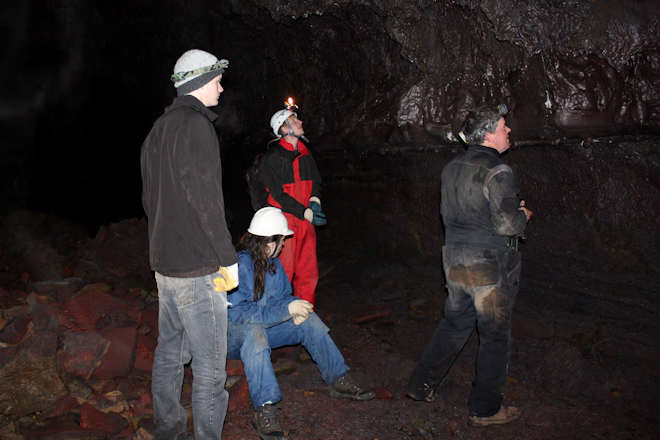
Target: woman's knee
x: 314, y: 325
x: 255, y: 340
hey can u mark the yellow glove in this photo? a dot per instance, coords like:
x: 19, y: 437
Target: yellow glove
x: 228, y: 278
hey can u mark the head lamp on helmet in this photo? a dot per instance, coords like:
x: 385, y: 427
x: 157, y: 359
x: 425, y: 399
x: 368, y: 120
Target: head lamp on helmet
x: 279, y: 119
x: 220, y: 64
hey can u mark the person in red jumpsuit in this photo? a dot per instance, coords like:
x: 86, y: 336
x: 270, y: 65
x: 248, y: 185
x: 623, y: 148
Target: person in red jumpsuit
x: 294, y: 185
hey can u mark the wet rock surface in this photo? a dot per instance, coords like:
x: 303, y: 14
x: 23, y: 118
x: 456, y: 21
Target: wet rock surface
x: 367, y: 75
x: 586, y: 351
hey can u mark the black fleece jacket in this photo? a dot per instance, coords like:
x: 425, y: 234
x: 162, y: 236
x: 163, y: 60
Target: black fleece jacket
x: 182, y: 193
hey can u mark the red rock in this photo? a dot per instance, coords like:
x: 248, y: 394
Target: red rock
x: 370, y: 314
x: 383, y: 393
x: 7, y: 354
x: 67, y: 433
x: 12, y: 312
x: 14, y: 331
x: 132, y: 387
x: 41, y: 342
x: 63, y: 288
x: 90, y: 307
x: 238, y: 395
x: 235, y: 367
x: 92, y: 418
x: 144, y: 356
x: 108, y: 387
x: 60, y: 408
x: 40, y: 313
x: 150, y: 320
x: 145, y: 399
x: 124, y: 250
x: 83, y: 352
x: 120, y: 356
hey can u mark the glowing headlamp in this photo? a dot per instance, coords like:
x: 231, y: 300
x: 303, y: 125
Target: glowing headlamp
x: 289, y: 105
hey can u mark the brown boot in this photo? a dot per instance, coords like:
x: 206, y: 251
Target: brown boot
x: 504, y: 415
x: 347, y: 387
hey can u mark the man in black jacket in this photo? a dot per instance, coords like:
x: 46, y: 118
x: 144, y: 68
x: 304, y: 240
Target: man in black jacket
x: 483, y: 218
x: 190, y: 250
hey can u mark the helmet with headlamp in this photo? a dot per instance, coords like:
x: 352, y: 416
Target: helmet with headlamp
x: 281, y: 117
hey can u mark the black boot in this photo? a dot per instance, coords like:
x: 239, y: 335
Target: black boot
x: 267, y: 421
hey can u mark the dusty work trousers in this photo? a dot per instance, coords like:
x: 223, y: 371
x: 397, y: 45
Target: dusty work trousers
x: 192, y: 324
x: 298, y: 257
x: 482, y: 285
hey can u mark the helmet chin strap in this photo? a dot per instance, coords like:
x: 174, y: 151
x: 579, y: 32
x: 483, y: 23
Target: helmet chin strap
x: 292, y: 133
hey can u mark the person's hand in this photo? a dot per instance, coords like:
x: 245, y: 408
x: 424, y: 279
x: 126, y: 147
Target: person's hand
x: 297, y: 320
x: 301, y: 308
x: 315, y: 218
x: 527, y: 212
x: 228, y: 278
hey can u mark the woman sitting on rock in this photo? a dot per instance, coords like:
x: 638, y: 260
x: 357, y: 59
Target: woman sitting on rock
x: 264, y: 315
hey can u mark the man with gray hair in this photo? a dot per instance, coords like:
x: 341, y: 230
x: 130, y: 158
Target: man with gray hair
x: 483, y: 219
x: 190, y: 250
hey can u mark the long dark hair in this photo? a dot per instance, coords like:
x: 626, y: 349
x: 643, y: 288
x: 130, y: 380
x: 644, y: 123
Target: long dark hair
x: 258, y: 247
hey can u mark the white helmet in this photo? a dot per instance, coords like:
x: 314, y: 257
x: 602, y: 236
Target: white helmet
x: 278, y: 119
x: 269, y: 221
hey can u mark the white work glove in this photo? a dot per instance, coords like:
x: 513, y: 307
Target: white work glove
x: 228, y: 278
x: 301, y: 308
x: 297, y: 320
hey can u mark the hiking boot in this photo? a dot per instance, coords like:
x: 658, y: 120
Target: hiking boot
x: 423, y: 394
x: 267, y: 422
x: 347, y: 387
x: 504, y: 415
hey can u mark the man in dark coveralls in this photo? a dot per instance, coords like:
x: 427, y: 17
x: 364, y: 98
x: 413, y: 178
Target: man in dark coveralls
x: 483, y: 218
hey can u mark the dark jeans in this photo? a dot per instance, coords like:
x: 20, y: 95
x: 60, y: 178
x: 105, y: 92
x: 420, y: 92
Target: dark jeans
x: 482, y: 286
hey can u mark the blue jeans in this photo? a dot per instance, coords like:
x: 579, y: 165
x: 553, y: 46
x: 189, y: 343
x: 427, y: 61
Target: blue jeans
x: 252, y: 344
x: 482, y: 285
x: 192, y: 324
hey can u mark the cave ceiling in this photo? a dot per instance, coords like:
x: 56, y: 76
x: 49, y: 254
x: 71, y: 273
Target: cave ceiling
x: 364, y: 72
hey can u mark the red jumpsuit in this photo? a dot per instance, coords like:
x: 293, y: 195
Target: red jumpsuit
x: 291, y: 178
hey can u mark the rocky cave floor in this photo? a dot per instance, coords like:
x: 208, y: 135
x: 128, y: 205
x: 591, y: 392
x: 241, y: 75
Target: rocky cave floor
x: 585, y: 361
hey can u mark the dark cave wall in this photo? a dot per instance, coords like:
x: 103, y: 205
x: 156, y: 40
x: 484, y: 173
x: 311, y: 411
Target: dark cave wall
x: 84, y: 80
x: 566, y: 68
x: 599, y: 200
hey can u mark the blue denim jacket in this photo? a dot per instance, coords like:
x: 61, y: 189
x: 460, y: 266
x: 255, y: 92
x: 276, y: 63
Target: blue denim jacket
x: 272, y: 308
